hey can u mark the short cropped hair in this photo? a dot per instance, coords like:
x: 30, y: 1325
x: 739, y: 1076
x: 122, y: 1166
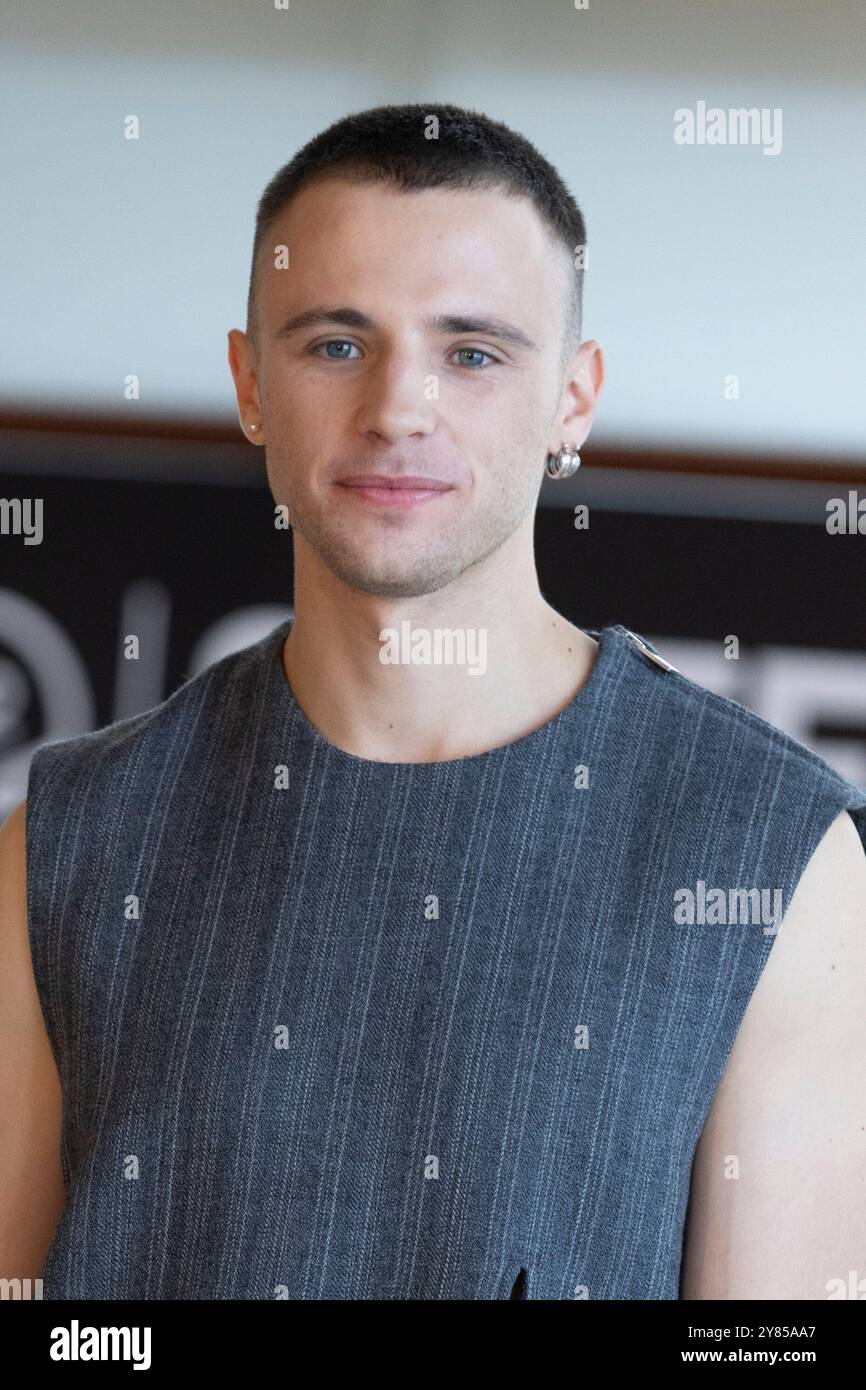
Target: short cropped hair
x: 414, y: 147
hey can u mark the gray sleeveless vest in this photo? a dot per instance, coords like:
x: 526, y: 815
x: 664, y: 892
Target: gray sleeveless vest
x: 336, y: 1029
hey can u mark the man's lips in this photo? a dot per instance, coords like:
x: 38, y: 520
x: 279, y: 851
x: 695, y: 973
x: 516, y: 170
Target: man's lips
x: 403, y: 490
x: 403, y: 480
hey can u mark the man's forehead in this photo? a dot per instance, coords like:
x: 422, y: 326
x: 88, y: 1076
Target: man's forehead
x: 448, y: 204
x: 335, y: 230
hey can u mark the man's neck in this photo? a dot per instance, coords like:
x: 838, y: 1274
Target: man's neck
x: 470, y: 667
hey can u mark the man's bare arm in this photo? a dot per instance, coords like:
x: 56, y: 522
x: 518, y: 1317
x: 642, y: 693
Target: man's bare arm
x: 31, y: 1180
x: 790, y: 1113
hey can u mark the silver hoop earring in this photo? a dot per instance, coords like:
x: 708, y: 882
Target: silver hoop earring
x: 564, y: 464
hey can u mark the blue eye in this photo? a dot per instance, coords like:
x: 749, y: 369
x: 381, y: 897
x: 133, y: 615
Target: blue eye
x: 336, y: 342
x: 344, y: 346
x: 476, y: 352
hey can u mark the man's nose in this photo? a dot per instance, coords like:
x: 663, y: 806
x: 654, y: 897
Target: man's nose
x: 398, y: 398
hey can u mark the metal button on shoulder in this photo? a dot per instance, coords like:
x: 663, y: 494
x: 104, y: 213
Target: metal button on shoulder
x: 648, y: 651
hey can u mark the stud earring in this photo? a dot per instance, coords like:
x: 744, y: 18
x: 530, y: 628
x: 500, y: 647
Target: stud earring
x: 564, y: 464
x: 253, y: 427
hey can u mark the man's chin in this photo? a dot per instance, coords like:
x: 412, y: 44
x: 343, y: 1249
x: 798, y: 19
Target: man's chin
x: 384, y: 584
x: 406, y: 572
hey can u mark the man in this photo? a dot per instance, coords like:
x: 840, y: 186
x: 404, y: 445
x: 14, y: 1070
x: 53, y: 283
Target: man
x: 377, y: 961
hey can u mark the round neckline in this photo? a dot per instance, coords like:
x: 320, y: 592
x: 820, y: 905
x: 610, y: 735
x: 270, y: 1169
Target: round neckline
x: 608, y: 640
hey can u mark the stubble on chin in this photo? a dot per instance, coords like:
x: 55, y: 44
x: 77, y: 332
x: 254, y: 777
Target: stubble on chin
x: 379, y: 560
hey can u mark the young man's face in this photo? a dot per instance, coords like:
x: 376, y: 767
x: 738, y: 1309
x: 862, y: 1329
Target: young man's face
x: 400, y: 394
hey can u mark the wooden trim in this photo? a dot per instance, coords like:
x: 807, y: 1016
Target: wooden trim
x: 210, y: 431
x: 196, y: 431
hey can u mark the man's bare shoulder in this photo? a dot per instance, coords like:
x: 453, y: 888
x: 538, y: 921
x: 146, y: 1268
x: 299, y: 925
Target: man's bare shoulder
x: 20, y: 1012
x: 818, y: 962
x: 31, y: 1181
x: 13, y: 886
x: 777, y: 1204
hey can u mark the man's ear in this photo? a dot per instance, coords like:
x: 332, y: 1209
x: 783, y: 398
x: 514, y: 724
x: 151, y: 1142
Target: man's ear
x: 242, y: 362
x: 583, y: 381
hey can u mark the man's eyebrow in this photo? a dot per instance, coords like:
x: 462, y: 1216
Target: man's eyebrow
x: 324, y: 313
x: 482, y: 323
x: 342, y: 314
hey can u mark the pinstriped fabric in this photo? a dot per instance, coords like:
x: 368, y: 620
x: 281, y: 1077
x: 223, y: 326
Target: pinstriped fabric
x: 399, y: 1030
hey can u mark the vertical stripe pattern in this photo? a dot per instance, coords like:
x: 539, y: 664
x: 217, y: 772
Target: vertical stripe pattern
x: 336, y: 1029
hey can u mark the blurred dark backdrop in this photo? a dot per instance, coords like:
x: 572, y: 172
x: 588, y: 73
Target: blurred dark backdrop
x: 173, y: 539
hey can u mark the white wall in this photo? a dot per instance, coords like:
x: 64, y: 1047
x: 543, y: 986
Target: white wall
x: 125, y: 257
